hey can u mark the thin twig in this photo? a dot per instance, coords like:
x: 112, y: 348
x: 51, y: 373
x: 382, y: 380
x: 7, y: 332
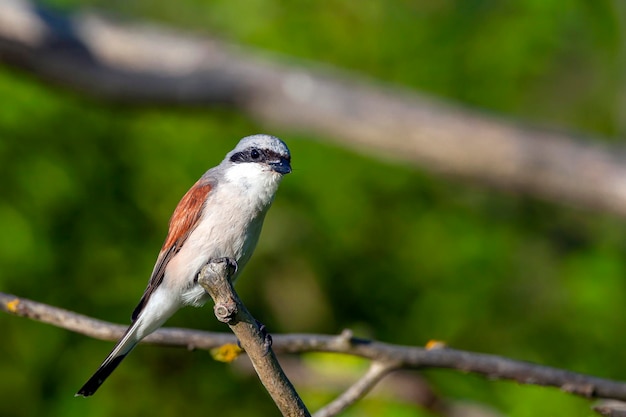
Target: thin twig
x: 376, y: 372
x: 215, y: 279
x: 99, y: 329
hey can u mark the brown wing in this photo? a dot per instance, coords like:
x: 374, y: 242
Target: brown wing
x: 182, y: 223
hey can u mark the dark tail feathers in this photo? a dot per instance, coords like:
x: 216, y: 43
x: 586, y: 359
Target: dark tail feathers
x: 100, y: 376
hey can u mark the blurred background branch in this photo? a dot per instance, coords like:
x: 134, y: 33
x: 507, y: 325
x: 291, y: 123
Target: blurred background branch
x: 140, y: 63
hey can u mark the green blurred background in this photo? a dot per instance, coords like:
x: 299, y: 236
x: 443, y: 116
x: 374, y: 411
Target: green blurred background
x: 388, y: 250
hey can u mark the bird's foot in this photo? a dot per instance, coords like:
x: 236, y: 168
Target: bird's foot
x: 267, y: 337
x: 233, y: 267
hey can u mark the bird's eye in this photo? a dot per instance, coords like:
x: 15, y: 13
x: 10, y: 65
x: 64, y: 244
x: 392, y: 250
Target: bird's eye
x: 255, y: 154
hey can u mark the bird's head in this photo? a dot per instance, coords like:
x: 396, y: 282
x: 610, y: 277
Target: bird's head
x: 266, y: 152
x: 258, y: 160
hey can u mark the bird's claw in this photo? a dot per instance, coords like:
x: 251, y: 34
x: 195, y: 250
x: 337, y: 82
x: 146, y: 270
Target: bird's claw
x: 233, y: 267
x: 231, y: 264
x: 267, y: 338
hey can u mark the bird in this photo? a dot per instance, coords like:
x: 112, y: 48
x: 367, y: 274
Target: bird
x: 221, y: 216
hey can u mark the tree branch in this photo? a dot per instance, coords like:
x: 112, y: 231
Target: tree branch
x: 215, y: 279
x: 611, y: 408
x: 405, y: 357
x: 377, y: 371
x: 145, y: 64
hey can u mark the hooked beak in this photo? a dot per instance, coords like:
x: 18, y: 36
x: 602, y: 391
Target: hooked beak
x: 282, y: 166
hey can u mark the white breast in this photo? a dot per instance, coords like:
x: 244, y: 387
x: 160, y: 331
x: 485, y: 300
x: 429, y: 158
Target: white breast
x: 229, y: 226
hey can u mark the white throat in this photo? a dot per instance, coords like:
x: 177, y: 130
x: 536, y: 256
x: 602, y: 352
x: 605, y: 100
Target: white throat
x: 255, y: 181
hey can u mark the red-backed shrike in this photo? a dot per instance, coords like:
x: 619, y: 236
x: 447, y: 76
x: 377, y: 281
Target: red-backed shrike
x: 220, y: 217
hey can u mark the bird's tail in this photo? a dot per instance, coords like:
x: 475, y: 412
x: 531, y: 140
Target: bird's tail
x: 119, y: 352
